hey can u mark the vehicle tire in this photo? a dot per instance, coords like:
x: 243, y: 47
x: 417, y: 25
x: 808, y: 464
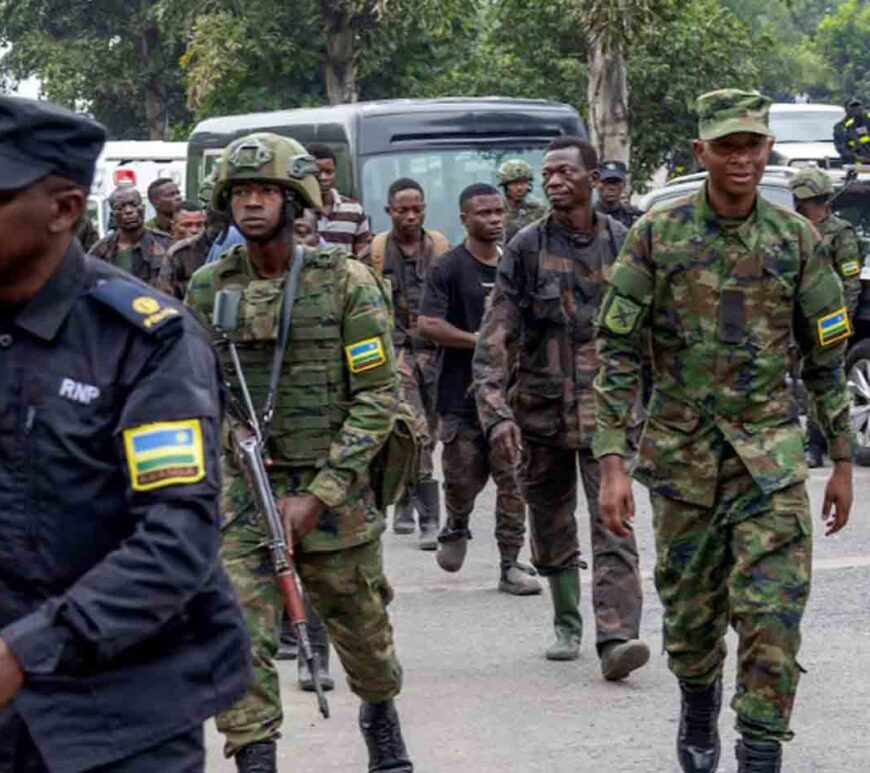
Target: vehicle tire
x: 858, y: 375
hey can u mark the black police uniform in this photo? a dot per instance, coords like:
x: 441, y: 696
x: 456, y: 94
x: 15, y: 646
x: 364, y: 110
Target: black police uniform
x: 112, y: 597
x: 624, y: 213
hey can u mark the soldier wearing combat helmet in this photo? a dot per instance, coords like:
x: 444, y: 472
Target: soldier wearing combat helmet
x: 515, y: 179
x: 722, y: 283
x: 812, y: 190
x: 333, y: 410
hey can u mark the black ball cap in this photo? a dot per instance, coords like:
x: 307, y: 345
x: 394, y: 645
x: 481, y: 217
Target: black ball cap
x: 613, y: 170
x: 38, y: 138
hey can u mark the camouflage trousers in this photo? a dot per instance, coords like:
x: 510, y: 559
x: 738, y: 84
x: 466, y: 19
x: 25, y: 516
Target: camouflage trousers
x: 548, y: 479
x: 748, y: 560
x: 418, y: 374
x: 348, y: 590
x: 468, y: 461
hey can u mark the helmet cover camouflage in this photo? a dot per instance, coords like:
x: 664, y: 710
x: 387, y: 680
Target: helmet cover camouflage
x: 811, y: 184
x: 513, y: 170
x: 269, y: 158
x: 206, y: 188
x: 729, y: 111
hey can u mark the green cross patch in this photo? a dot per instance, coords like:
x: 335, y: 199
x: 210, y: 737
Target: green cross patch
x: 622, y: 315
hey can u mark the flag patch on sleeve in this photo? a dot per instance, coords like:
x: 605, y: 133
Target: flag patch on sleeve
x: 163, y: 454
x: 834, y: 327
x: 850, y: 268
x: 365, y: 355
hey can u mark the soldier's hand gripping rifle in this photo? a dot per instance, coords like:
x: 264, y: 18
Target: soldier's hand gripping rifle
x: 249, y: 441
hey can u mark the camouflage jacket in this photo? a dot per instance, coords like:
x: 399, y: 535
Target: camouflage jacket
x: 840, y: 238
x: 535, y: 357
x: 525, y: 214
x: 180, y: 262
x: 338, y: 390
x: 147, y: 257
x: 722, y: 307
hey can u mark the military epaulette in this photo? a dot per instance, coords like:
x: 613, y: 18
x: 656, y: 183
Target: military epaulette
x: 139, y: 305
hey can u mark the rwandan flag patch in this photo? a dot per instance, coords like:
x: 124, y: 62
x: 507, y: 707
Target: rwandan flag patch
x: 834, y: 327
x: 164, y: 454
x: 850, y: 268
x: 365, y: 355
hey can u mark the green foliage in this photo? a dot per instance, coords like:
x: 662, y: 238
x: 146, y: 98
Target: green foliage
x: 694, y: 47
x: 843, y: 39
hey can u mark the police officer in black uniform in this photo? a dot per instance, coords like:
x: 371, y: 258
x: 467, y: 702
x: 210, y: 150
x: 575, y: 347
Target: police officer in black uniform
x: 611, y: 189
x: 119, y: 632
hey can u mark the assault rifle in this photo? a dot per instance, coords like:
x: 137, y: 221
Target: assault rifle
x: 249, y: 441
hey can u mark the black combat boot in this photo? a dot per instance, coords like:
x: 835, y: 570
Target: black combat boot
x: 426, y: 502
x: 758, y: 756
x: 257, y: 758
x: 698, y: 745
x: 380, y: 727
x: 306, y: 683
x: 403, y: 514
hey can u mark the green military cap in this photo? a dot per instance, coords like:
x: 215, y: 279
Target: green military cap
x: 728, y: 111
x: 811, y: 183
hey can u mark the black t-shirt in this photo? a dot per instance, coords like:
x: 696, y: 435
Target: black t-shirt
x: 456, y: 291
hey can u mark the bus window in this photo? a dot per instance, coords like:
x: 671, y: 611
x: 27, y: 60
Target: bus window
x: 442, y: 173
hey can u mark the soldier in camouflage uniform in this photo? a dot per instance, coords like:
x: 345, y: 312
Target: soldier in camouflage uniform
x: 812, y: 190
x: 724, y: 281
x: 533, y: 370
x: 404, y: 255
x: 132, y: 246
x: 335, y: 408
x: 515, y: 179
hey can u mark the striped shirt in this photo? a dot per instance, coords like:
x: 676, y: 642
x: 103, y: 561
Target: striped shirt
x: 346, y: 226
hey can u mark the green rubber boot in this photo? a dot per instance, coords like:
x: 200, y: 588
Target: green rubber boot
x: 565, y: 590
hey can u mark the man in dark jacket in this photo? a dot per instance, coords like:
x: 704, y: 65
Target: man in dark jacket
x: 119, y: 632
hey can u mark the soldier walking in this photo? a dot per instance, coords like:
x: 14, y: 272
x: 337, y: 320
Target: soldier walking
x: 533, y: 369
x: 515, y: 179
x: 404, y: 255
x: 334, y: 408
x: 812, y: 190
x: 723, y: 282
x: 456, y: 294
x: 133, y: 246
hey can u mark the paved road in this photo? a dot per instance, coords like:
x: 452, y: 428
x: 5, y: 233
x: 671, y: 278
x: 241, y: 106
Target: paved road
x: 480, y: 697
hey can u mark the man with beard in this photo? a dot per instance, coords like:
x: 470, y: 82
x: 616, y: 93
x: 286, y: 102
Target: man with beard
x: 133, y: 247
x: 533, y: 370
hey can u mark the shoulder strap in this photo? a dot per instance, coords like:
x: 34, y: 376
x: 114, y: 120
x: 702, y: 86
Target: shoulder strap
x: 291, y: 290
x: 138, y: 304
x: 379, y: 250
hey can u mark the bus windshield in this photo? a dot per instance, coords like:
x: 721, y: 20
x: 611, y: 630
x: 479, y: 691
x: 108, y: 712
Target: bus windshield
x: 442, y: 173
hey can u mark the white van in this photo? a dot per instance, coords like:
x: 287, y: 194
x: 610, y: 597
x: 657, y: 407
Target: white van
x: 136, y: 163
x: 805, y: 135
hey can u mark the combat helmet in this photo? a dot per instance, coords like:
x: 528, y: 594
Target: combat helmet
x: 513, y: 170
x: 811, y: 183
x: 271, y: 158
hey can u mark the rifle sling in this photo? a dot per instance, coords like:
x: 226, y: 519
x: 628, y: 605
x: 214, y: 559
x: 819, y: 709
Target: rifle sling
x: 291, y: 289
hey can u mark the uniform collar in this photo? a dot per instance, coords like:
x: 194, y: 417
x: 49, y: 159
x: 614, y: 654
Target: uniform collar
x: 48, y: 309
x: 709, y: 224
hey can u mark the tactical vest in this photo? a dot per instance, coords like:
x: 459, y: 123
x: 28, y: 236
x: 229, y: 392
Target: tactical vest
x: 857, y: 136
x: 312, y: 398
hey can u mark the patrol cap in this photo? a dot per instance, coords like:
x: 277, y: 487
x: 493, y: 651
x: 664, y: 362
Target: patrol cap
x: 38, y: 138
x: 810, y: 184
x: 613, y: 170
x: 728, y: 111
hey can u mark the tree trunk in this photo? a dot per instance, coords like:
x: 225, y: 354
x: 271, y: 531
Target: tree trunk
x: 608, y: 104
x: 156, y: 112
x: 340, y: 67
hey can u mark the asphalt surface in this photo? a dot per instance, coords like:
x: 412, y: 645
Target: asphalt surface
x: 479, y: 696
